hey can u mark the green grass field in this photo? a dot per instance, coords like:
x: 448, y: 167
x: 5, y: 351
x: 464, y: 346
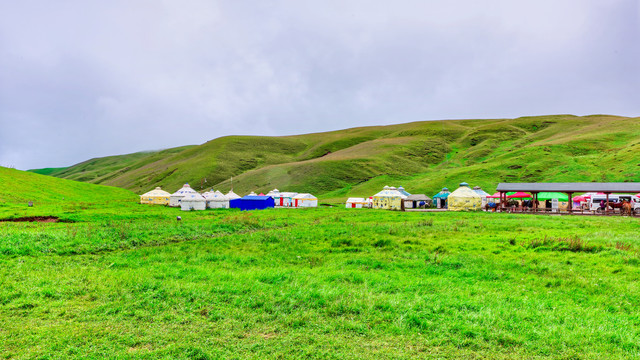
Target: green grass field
x: 123, y: 280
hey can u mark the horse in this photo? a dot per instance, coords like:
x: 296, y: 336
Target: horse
x: 626, y: 208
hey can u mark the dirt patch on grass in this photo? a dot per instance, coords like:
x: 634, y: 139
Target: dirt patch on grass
x: 44, y: 219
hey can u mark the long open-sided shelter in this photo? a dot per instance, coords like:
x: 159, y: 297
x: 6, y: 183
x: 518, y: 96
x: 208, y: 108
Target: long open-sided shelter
x: 607, y: 188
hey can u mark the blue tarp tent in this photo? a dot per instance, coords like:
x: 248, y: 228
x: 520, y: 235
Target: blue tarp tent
x: 251, y: 202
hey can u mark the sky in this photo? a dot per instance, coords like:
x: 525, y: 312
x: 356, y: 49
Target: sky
x: 82, y: 79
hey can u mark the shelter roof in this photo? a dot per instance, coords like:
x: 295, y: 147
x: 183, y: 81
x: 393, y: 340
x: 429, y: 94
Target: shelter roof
x: 629, y: 187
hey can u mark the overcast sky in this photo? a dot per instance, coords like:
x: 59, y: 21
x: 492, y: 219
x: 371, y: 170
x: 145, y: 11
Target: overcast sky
x: 82, y: 79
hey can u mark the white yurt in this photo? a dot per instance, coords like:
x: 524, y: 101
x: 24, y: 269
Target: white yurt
x: 356, y: 203
x: 252, y: 194
x: 232, y: 196
x: 155, y: 196
x: 178, y: 195
x: 193, y: 201
x: 464, y: 199
x: 305, y: 200
x: 389, y: 198
x: 483, y: 194
x: 216, y: 200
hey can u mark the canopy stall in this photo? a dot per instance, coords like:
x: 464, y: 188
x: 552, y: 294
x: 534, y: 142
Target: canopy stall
x: 519, y: 195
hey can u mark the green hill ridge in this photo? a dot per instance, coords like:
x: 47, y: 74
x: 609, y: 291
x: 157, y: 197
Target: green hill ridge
x: 422, y: 156
x: 20, y: 187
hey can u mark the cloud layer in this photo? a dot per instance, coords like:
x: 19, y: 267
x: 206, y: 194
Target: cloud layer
x: 83, y: 79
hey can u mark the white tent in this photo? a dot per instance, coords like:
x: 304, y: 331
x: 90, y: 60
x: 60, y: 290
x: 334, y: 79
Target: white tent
x: 252, y: 194
x: 357, y: 203
x: 284, y: 198
x: 193, y: 201
x: 305, y: 200
x: 216, y: 200
x: 231, y: 195
x: 177, y: 196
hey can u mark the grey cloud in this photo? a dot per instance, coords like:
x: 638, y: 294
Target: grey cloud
x: 81, y: 79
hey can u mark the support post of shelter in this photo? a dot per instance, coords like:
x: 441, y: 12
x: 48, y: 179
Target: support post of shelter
x: 535, y: 202
x: 606, y: 205
x: 570, y: 206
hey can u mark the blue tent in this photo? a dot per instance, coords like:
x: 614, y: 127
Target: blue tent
x: 250, y: 202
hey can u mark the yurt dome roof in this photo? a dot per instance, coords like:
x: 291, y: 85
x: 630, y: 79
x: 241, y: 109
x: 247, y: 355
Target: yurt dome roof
x: 157, y: 192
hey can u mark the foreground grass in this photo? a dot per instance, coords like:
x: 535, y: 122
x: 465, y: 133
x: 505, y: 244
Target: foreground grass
x: 132, y: 282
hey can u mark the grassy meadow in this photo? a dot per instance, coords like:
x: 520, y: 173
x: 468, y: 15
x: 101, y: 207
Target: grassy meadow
x: 123, y: 280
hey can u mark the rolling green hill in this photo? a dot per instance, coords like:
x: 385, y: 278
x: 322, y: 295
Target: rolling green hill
x: 20, y: 187
x: 422, y: 156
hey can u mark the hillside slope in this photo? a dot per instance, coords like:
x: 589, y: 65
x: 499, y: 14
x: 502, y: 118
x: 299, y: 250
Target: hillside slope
x: 20, y: 187
x: 422, y: 156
